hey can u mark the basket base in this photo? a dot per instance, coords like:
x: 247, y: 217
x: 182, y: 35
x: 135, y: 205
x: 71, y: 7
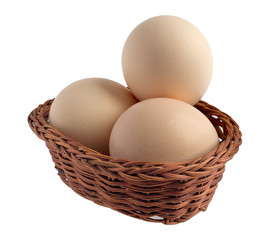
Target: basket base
x: 178, y: 216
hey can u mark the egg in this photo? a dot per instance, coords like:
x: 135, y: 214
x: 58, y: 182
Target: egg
x: 162, y: 130
x: 86, y: 111
x: 167, y: 56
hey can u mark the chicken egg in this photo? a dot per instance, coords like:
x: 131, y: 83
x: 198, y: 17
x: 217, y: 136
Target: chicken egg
x: 162, y: 130
x: 167, y: 56
x: 86, y: 111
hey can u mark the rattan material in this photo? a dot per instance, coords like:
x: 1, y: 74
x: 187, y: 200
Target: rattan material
x: 153, y: 191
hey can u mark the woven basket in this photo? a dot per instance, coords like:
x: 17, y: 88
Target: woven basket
x: 153, y: 191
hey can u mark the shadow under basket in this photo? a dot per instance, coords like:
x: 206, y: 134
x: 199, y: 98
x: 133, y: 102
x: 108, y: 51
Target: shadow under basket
x: 169, y: 193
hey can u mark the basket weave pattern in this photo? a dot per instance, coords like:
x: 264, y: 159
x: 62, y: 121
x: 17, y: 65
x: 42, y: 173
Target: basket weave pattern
x: 153, y: 191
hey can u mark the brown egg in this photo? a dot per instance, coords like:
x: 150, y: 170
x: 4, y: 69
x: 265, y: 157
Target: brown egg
x: 86, y: 111
x: 166, y: 56
x: 162, y: 129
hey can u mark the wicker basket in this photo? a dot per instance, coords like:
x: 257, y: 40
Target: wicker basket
x: 153, y: 191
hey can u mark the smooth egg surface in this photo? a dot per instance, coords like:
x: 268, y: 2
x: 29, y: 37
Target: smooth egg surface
x: 167, y: 56
x: 162, y: 130
x: 86, y: 111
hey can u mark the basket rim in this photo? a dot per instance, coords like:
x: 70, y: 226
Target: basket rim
x: 38, y: 122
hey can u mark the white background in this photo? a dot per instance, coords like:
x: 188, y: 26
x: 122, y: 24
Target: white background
x: 46, y: 45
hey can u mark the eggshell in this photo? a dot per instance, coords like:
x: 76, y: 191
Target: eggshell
x: 86, y: 111
x: 162, y: 129
x: 167, y: 56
